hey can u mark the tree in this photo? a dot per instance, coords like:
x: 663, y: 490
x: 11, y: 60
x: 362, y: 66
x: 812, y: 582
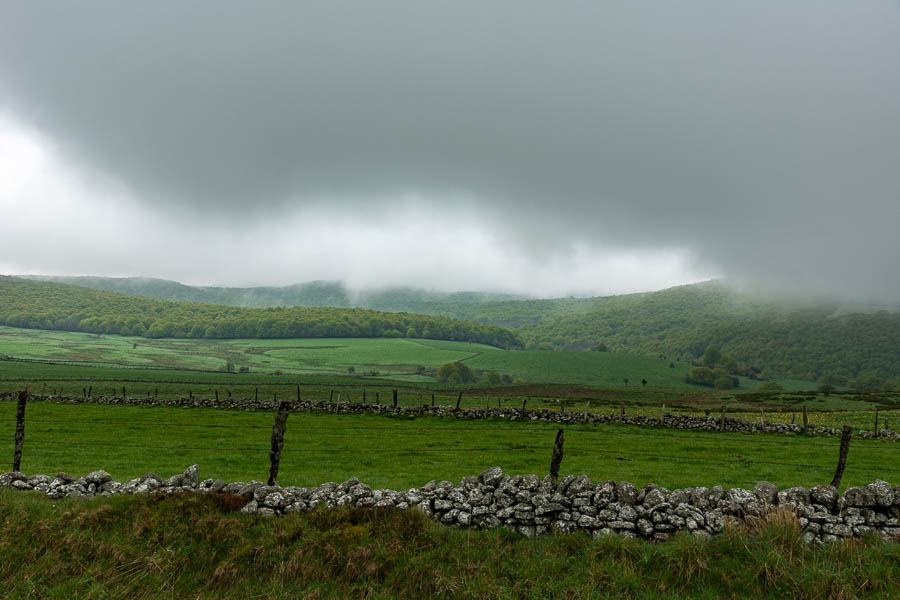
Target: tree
x: 351, y: 370
x: 711, y: 357
x: 723, y: 383
x: 601, y: 347
x: 826, y: 389
x: 456, y: 372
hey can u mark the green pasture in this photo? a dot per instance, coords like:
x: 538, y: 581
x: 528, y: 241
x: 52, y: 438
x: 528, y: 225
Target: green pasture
x: 394, y: 452
x: 401, y: 359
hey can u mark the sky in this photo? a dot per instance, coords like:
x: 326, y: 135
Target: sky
x: 534, y: 147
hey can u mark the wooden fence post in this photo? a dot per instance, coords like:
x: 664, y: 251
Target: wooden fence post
x: 458, y: 400
x: 20, y: 430
x: 487, y: 403
x: 762, y: 417
x: 842, y: 457
x: 298, y: 393
x: 420, y: 402
x: 722, y: 419
x: 217, y: 395
x: 124, y: 395
x: 876, y: 421
x: 284, y: 409
x: 587, y: 408
x: 432, y: 401
x: 622, y: 412
x: 395, y: 397
x: 90, y: 390
x: 524, y: 401
x: 377, y: 399
x: 556, y: 458
x: 662, y: 412
x: 364, y: 396
x: 805, y: 421
x: 256, y: 395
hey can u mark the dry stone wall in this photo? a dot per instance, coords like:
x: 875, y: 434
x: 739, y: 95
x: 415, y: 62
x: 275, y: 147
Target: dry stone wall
x: 673, y: 420
x: 533, y: 506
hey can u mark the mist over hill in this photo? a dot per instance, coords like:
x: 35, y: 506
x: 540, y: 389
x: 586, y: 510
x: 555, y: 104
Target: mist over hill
x: 312, y: 293
x: 813, y: 340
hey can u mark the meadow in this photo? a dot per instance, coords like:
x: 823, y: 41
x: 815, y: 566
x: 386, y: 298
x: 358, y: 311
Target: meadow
x: 400, y: 359
x: 402, y: 452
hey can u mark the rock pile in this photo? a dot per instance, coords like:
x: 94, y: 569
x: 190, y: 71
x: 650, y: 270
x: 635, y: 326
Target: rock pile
x: 534, y: 506
x: 675, y: 421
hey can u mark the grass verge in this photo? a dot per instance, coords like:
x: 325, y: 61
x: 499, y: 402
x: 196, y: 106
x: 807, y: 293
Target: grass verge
x: 195, y: 546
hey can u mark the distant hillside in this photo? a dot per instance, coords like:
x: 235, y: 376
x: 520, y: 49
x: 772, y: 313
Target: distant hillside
x: 786, y: 339
x: 46, y: 305
x: 314, y: 293
x: 855, y: 345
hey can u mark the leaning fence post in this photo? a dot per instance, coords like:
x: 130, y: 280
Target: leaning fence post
x: 524, y: 401
x: 556, y: 458
x: 20, y: 429
x: 842, y: 457
x: 458, y: 400
x: 284, y: 409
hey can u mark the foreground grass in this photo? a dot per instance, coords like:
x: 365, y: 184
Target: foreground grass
x: 400, y: 453
x: 195, y: 546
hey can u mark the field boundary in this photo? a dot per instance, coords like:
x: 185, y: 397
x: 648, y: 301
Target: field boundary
x: 721, y: 423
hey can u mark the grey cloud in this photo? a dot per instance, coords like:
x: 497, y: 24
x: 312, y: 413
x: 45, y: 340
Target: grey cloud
x: 764, y: 137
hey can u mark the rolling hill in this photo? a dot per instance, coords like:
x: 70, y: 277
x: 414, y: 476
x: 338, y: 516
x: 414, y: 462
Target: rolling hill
x: 854, y: 345
x: 45, y: 305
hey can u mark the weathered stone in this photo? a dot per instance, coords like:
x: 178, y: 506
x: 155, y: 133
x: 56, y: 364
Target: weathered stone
x: 626, y: 493
x: 491, y: 476
x: 766, y: 492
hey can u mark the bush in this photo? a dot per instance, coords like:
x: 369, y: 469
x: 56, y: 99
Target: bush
x: 771, y: 386
x: 244, y: 369
x: 456, y: 372
x: 723, y: 383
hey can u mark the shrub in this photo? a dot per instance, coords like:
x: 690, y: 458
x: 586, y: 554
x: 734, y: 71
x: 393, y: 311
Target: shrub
x: 771, y: 386
x: 456, y: 372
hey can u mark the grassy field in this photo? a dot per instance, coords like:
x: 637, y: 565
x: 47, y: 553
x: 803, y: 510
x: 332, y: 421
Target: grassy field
x: 393, y: 452
x: 400, y: 359
x: 193, y: 546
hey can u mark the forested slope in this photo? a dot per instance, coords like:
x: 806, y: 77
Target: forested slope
x: 791, y: 339
x: 312, y: 293
x: 44, y: 305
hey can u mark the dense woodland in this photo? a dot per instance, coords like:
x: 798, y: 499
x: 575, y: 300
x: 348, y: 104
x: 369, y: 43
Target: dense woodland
x: 42, y: 305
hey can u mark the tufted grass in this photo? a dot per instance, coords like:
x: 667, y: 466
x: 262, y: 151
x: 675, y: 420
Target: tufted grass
x: 193, y: 546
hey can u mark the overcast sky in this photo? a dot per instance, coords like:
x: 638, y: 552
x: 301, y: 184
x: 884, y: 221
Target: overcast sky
x: 541, y: 147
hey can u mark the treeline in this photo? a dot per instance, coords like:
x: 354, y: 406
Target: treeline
x: 42, y: 305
